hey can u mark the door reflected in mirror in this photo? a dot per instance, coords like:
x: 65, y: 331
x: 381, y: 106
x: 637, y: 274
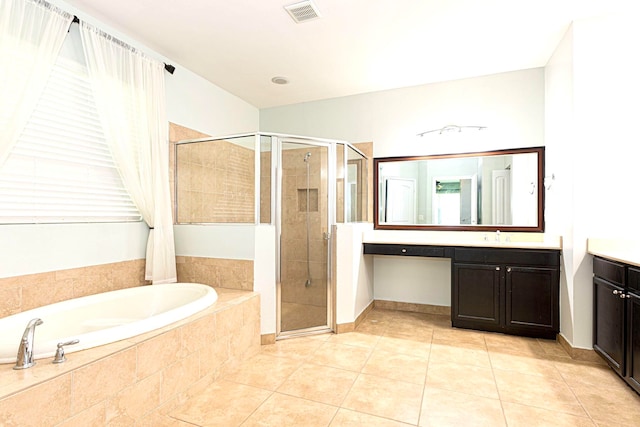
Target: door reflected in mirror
x: 472, y: 191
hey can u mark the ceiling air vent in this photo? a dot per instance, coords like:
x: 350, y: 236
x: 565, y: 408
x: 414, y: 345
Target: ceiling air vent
x: 303, y: 11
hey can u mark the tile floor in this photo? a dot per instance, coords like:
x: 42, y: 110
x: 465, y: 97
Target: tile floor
x: 408, y: 369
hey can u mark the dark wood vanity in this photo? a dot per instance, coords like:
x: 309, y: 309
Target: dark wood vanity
x: 496, y: 285
x: 616, y: 317
x: 509, y: 290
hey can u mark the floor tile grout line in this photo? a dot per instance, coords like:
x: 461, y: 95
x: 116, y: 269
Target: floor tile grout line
x: 495, y: 381
x: 183, y: 421
x: 563, y: 380
x: 573, y: 392
x: 426, y: 376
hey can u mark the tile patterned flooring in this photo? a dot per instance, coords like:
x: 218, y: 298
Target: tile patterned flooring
x: 409, y: 369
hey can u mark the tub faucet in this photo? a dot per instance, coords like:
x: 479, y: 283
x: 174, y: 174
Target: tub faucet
x: 25, y: 351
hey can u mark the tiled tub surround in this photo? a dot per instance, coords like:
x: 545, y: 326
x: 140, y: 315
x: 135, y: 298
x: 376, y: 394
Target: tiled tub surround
x: 216, y: 272
x: 134, y: 381
x: 21, y: 293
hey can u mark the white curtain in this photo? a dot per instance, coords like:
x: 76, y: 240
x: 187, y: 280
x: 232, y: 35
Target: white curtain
x: 31, y: 35
x: 130, y: 96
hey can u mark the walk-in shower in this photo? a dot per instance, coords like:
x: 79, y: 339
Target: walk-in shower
x: 300, y: 186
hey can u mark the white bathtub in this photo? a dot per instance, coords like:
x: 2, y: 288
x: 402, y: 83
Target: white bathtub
x: 104, y: 318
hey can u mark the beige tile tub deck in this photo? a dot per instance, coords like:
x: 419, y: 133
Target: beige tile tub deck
x: 138, y: 380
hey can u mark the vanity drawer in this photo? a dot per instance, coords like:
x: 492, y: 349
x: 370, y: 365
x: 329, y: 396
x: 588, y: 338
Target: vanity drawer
x: 633, y: 279
x: 609, y: 270
x: 523, y: 257
x: 403, y: 250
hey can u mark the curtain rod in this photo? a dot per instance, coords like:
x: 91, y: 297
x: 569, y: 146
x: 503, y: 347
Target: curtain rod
x: 170, y: 68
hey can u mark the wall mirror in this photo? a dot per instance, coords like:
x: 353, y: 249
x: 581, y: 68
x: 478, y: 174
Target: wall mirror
x: 484, y: 191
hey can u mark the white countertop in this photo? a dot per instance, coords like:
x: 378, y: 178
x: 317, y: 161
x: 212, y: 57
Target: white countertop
x: 515, y: 240
x: 626, y: 251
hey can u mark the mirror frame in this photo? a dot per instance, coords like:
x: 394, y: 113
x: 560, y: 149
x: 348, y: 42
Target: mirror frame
x: 489, y: 227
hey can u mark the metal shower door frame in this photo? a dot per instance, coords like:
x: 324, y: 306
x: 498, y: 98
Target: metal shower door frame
x: 277, y: 142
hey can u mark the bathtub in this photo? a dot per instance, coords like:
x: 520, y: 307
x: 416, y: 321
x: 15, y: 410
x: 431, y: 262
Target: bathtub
x: 104, y: 318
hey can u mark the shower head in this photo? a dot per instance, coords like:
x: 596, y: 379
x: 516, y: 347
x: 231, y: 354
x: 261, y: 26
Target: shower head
x: 306, y: 156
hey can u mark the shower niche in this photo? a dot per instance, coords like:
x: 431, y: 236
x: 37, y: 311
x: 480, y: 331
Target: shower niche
x: 308, y: 197
x: 299, y: 185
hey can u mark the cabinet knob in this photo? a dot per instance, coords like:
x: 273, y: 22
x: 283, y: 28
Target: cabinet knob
x: 404, y: 251
x: 509, y: 270
x: 623, y: 296
x: 497, y: 268
x: 616, y: 292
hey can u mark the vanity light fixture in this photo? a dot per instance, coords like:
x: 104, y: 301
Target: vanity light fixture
x: 451, y: 128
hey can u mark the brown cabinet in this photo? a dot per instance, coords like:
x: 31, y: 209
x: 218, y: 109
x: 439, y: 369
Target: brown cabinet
x: 515, y: 291
x: 616, y: 317
x: 506, y: 290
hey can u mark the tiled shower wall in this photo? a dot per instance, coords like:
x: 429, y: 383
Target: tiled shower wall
x: 201, y: 162
x: 216, y: 183
x: 294, y: 235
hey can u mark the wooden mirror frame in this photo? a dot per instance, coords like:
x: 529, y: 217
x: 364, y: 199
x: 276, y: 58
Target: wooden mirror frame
x: 489, y: 227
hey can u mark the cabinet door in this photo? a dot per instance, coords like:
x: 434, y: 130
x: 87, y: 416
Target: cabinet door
x: 475, y: 299
x: 633, y: 334
x: 608, y: 330
x: 531, y: 300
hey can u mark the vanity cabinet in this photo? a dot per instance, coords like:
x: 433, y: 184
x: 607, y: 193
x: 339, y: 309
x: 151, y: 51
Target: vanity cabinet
x: 506, y: 290
x: 616, y: 315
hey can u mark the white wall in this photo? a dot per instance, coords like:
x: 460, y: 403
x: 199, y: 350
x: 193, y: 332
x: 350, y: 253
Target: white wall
x: 191, y: 101
x: 232, y: 241
x: 197, y: 104
x: 354, y: 281
x: 28, y: 249
x: 510, y: 104
x: 559, y: 163
x: 593, y: 91
x: 412, y: 280
x: 264, y: 276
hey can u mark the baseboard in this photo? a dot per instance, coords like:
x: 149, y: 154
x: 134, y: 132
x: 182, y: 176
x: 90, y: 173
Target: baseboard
x: 412, y: 307
x: 364, y: 313
x: 343, y: 328
x: 267, y: 339
x: 582, y: 354
x: 351, y: 326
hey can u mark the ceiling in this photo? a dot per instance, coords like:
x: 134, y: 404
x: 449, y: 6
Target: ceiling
x: 356, y: 46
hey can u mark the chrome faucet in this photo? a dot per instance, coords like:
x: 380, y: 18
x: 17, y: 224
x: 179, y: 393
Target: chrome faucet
x: 25, y: 351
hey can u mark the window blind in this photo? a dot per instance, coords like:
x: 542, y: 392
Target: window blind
x: 61, y: 169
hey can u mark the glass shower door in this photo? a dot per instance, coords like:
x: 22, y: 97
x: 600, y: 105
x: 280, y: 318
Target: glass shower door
x: 303, y: 285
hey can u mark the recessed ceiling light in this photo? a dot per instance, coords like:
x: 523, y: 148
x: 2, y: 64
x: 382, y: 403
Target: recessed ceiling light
x: 280, y: 80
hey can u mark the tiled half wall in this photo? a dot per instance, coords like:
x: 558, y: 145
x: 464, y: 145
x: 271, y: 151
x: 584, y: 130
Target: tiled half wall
x: 216, y: 272
x: 21, y: 293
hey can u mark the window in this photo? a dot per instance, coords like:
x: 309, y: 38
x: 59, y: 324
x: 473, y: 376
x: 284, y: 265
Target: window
x: 61, y: 169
